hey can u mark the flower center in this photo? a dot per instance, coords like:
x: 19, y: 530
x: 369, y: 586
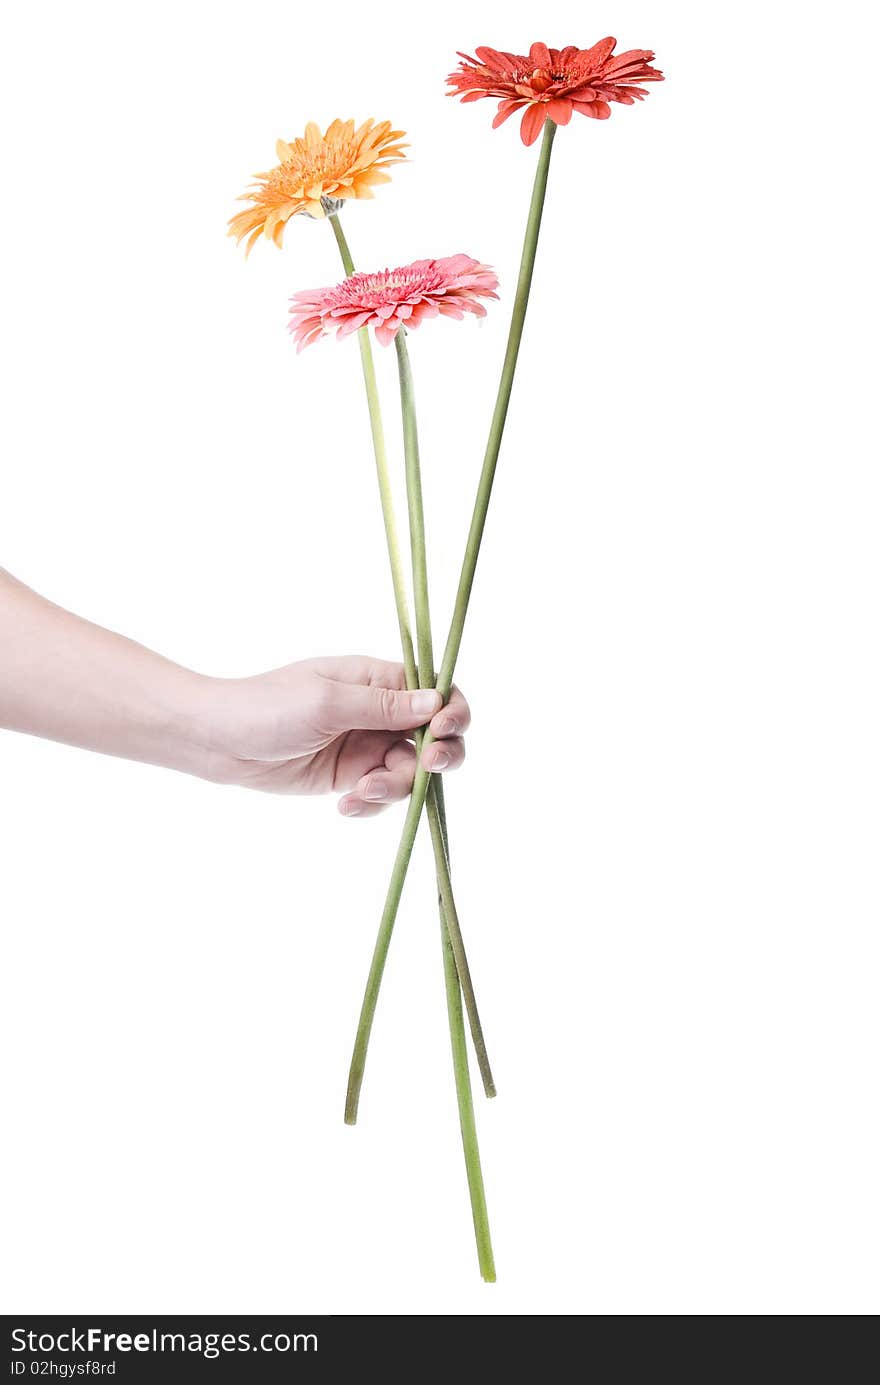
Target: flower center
x: 380, y: 290
x: 538, y: 79
x: 322, y: 165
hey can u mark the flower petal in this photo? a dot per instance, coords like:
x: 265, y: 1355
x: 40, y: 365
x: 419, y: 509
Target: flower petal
x: 539, y: 56
x: 634, y: 57
x: 352, y: 323
x: 506, y: 109
x: 492, y: 59
x: 387, y: 331
x: 598, y: 110
x: 596, y: 55
x: 532, y: 122
x: 559, y: 110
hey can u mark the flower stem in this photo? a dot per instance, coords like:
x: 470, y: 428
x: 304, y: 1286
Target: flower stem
x: 383, y: 940
x: 461, y: 1071
x: 456, y: 630
x: 466, y: 1113
x: 424, y: 642
x: 436, y: 816
x: 455, y: 963
x: 426, y: 680
x: 385, y: 494
x: 499, y: 416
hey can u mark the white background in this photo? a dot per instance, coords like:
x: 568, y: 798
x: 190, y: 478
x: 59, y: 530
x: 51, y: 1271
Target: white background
x: 665, y: 836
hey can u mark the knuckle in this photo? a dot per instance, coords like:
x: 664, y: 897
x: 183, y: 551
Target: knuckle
x: 450, y: 723
x: 388, y: 705
x: 401, y: 756
x: 455, y: 751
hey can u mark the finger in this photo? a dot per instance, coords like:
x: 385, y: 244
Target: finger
x: 361, y: 752
x: 353, y: 807
x: 363, y: 707
x: 444, y: 755
x: 453, y: 719
x: 361, y: 668
x: 392, y: 781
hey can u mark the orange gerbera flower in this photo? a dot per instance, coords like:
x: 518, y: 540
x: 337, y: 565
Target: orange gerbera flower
x: 550, y: 83
x: 316, y: 172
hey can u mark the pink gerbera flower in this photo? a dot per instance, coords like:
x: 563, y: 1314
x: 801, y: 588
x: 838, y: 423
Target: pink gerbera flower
x: 392, y: 299
x: 551, y: 83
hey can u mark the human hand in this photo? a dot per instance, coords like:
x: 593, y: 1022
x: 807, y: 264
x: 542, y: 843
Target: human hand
x: 326, y: 725
x: 320, y: 726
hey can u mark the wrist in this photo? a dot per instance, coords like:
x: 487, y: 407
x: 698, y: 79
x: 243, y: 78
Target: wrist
x: 197, y: 728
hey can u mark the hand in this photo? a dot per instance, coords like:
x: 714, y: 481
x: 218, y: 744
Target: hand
x: 327, y: 725
x: 315, y: 727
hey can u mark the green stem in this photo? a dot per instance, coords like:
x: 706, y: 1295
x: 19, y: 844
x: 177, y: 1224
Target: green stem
x: 421, y: 784
x: 466, y: 1113
x: 385, y: 493
x: 499, y: 416
x: 455, y: 965
x: 383, y: 940
x: 440, y: 843
x: 426, y: 680
x: 416, y: 516
x: 465, y: 584
x: 418, y: 546
x: 436, y: 816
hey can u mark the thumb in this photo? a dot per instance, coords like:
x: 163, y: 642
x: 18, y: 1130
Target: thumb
x: 360, y: 707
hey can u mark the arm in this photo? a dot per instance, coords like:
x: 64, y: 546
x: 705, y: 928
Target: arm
x: 312, y: 727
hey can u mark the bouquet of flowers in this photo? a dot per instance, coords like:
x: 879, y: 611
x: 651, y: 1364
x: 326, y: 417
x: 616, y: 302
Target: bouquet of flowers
x: 316, y: 174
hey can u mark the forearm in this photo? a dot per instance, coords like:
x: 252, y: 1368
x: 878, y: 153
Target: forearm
x: 68, y: 680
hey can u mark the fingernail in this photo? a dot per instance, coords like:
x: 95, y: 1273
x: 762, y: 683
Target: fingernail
x: 376, y: 791
x: 424, y: 703
x: 352, y: 808
x: 449, y: 726
x: 441, y: 760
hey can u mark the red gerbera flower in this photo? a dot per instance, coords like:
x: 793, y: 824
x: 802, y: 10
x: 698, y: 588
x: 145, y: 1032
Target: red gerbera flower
x: 392, y: 299
x: 552, y: 82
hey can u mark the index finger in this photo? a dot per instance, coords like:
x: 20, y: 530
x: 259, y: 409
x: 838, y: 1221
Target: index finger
x: 361, y: 670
